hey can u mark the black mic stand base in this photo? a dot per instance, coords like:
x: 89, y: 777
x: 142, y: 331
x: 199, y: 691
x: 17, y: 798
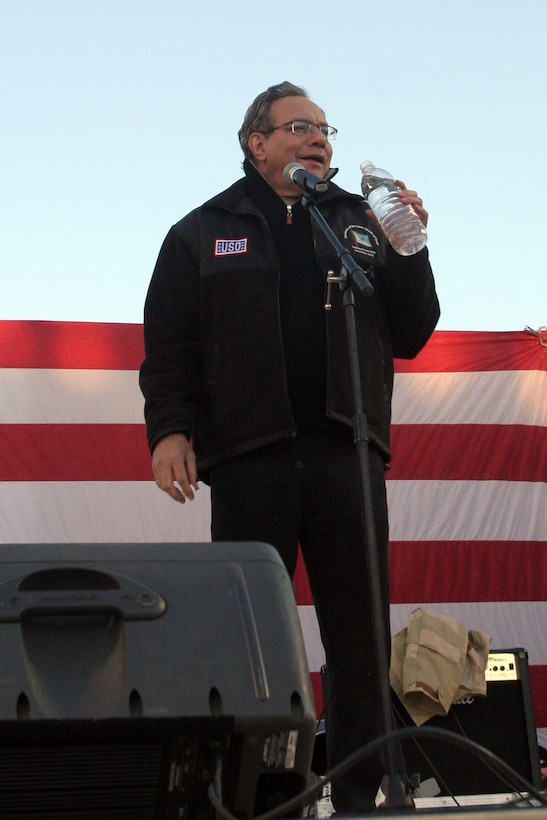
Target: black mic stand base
x: 397, y: 798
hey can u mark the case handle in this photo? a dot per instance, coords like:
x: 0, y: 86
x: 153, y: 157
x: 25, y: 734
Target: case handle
x: 77, y: 591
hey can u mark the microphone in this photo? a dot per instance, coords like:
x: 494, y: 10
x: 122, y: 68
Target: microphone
x: 296, y: 174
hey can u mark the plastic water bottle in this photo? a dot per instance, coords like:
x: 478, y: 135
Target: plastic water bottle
x: 401, y: 224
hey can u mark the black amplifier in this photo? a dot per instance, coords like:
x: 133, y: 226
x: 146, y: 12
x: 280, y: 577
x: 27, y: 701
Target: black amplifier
x: 503, y: 722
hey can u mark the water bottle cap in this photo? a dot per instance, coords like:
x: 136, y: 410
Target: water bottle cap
x: 368, y: 168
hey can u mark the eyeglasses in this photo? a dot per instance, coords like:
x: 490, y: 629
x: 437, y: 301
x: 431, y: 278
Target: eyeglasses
x: 302, y: 128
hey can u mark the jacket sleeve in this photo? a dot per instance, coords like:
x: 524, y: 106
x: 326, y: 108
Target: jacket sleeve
x: 412, y: 306
x: 170, y: 372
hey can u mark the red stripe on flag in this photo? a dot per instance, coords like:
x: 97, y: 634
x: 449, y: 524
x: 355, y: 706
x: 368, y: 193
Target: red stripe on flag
x: 317, y: 689
x: 73, y: 345
x: 120, y: 347
x: 74, y: 452
x: 468, y: 452
x: 118, y: 452
x: 301, y: 584
x: 459, y: 571
x: 456, y: 351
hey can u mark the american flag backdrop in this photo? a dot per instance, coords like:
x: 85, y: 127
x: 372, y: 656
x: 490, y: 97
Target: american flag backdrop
x: 467, y: 487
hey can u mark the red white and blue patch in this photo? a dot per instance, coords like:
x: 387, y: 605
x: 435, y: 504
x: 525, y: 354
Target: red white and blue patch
x: 229, y: 247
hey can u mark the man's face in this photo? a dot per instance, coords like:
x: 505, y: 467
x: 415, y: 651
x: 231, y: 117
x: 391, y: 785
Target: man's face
x: 272, y: 152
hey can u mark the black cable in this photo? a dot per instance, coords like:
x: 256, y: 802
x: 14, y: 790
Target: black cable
x: 214, y: 791
x: 221, y: 810
x: 375, y: 745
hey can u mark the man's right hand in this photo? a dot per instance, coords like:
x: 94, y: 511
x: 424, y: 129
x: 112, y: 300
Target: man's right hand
x: 174, y: 467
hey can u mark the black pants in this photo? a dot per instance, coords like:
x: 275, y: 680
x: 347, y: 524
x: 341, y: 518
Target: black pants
x: 307, y: 492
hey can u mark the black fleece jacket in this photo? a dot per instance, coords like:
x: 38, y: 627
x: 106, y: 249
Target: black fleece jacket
x: 239, y: 350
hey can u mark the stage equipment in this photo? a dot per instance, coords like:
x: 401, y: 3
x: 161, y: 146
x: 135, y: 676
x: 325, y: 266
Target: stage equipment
x: 503, y: 722
x: 133, y: 676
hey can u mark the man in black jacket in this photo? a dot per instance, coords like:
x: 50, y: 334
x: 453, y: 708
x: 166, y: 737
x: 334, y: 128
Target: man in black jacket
x: 246, y: 381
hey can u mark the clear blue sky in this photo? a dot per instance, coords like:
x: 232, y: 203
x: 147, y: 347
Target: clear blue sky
x: 119, y: 116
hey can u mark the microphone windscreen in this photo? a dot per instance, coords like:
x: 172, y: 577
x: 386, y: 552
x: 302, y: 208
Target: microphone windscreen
x: 289, y: 170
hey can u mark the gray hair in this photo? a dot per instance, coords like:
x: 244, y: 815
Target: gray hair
x: 257, y: 117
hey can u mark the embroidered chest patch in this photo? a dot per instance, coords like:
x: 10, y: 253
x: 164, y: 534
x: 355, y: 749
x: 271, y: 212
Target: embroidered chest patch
x: 228, y: 247
x: 363, y: 240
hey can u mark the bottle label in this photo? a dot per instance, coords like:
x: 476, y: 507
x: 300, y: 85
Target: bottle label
x: 384, y: 197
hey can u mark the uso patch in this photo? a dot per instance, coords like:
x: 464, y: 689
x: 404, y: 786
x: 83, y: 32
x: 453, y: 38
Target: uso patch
x: 227, y: 247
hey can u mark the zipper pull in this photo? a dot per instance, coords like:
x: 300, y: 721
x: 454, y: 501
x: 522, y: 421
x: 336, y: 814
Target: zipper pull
x: 289, y: 215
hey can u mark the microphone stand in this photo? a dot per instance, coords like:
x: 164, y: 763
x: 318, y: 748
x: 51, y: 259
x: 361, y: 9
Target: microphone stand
x: 392, y: 785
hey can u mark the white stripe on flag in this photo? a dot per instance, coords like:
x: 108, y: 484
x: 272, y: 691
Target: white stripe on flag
x: 493, y: 397
x: 510, y: 625
x: 137, y: 511
x: 56, y: 396
x: 467, y: 510
x: 70, y: 397
x: 99, y: 512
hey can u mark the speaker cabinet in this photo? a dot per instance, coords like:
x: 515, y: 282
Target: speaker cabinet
x: 503, y: 722
x: 128, y: 671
